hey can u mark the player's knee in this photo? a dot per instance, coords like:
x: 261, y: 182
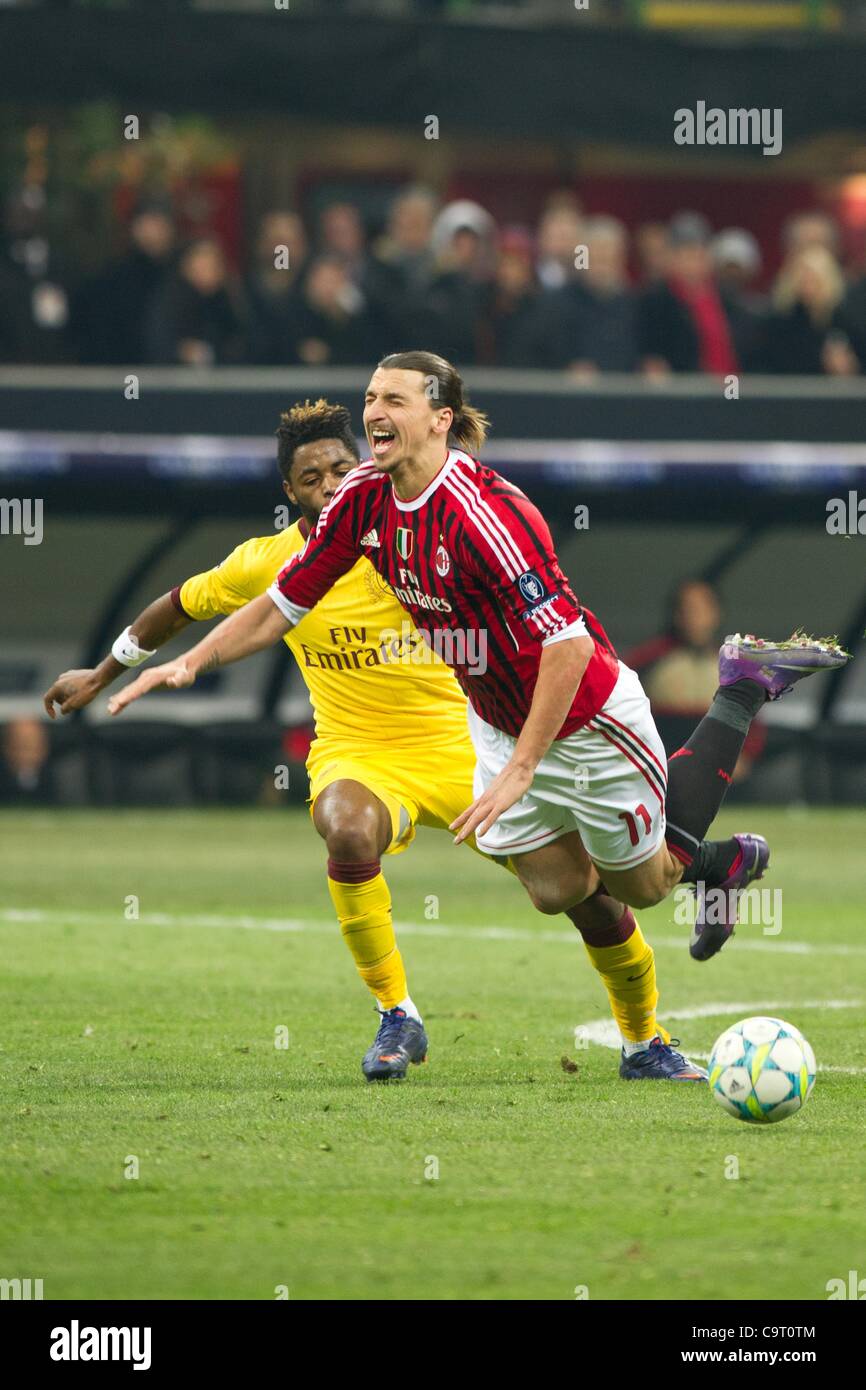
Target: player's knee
x: 353, y: 838
x: 651, y: 883
x: 648, y: 892
x: 543, y: 900
x: 552, y: 898
x: 644, y: 897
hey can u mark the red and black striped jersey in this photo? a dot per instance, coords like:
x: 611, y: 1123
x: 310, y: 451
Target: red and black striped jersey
x: 472, y: 561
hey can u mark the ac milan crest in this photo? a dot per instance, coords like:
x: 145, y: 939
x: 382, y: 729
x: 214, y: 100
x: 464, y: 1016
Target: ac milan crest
x: 443, y: 561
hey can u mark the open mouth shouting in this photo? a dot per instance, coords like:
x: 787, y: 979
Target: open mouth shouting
x: 381, y: 440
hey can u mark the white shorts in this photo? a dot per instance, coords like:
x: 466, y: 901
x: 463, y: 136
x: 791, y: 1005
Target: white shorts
x: 607, y: 780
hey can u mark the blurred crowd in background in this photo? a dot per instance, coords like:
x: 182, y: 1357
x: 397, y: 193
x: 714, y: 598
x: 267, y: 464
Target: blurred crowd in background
x: 576, y: 293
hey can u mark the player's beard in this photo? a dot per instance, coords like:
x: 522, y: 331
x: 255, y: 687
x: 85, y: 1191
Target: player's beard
x: 390, y: 466
x: 387, y: 465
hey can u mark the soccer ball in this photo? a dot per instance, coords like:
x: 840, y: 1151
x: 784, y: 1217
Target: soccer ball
x: 762, y: 1070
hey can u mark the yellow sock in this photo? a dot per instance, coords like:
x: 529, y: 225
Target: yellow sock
x: 629, y: 975
x: 364, y: 913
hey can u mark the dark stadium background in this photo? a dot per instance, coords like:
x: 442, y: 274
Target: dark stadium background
x: 244, y: 110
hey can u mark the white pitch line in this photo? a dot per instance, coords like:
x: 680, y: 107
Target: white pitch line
x: 605, y: 1033
x: 463, y: 933
x: 160, y: 919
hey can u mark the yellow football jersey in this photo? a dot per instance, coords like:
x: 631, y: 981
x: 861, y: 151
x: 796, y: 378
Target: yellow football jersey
x: 370, y: 674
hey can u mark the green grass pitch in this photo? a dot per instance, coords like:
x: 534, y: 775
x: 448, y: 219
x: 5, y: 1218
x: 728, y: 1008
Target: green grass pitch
x: 151, y: 1043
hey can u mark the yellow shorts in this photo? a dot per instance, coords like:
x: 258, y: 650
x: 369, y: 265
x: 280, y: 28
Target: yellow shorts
x: 419, y: 786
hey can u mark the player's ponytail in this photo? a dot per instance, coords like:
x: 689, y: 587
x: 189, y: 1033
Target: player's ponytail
x: 470, y: 429
x: 443, y: 385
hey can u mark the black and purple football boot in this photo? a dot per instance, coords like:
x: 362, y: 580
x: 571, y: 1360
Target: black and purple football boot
x: 717, y: 906
x: 777, y: 666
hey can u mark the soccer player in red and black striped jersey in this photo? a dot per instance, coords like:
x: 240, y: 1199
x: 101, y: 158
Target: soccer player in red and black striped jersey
x: 571, y: 777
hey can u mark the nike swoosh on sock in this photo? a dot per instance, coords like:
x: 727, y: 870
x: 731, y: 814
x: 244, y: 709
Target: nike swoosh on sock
x: 641, y: 975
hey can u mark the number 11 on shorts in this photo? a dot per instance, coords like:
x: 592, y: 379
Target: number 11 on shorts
x: 630, y: 819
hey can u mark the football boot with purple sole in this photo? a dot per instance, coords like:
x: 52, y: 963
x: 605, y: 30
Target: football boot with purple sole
x: 778, y: 665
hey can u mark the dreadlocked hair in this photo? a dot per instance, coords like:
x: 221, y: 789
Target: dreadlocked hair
x: 304, y: 423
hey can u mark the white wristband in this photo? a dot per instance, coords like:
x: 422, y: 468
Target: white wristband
x: 126, y: 650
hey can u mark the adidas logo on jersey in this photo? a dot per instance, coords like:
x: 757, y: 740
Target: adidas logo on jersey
x: 371, y: 538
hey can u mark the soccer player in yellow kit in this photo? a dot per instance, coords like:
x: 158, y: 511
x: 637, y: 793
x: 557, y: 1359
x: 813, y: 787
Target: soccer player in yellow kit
x: 392, y: 748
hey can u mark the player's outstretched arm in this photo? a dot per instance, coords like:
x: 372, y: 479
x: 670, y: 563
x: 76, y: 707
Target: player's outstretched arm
x: 159, y: 622
x: 257, y: 625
